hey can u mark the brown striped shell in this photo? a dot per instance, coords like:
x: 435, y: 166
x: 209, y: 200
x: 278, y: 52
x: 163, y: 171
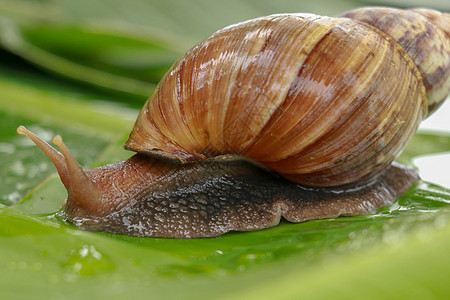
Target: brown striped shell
x: 416, y: 31
x: 322, y: 101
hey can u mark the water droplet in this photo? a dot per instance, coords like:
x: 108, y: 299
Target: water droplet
x: 18, y: 168
x: 12, y: 197
x: 69, y: 277
x: 53, y: 278
x: 87, y: 261
x: 36, y: 267
x: 423, y: 234
x: 392, y: 237
x: 21, y: 265
x: 440, y: 221
x: 7, y: 148
x: 181, y: 271
x: 253, y: 258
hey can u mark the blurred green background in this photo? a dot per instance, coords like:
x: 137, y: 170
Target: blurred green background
x: 83, y: 69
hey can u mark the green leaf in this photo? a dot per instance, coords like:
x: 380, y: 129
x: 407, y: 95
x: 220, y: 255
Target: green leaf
x: 84, y: 64
x: 124, y: 46
x: 56, y: 259
x: 50, y: 109
x: 441, y: 5
x: 291, y: 259
x: 398, y: 251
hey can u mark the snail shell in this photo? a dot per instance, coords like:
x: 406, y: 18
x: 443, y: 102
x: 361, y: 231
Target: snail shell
x: 326, y: 103
x: 424, y: 35
x: 321, y: 101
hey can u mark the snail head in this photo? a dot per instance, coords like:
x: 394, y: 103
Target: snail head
x: 87, y: 192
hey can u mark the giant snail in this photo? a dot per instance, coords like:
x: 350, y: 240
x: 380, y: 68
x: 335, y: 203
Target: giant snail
x: 292, y: 115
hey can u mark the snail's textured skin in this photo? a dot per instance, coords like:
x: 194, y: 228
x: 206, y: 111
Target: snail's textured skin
x: 213, y: 197
x: 326, y: 103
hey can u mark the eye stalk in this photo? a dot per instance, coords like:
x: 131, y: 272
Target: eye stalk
x: 56, y: 157
x: 80, y: 187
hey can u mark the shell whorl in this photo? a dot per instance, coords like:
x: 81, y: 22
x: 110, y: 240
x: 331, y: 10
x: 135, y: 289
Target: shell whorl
x: 302, y: 94
x: 425, y: 35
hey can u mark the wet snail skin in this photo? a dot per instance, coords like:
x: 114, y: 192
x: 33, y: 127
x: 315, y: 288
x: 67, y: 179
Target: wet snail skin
x: 292, y: 115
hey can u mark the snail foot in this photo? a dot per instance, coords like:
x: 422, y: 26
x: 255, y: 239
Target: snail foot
x: 211, y: 198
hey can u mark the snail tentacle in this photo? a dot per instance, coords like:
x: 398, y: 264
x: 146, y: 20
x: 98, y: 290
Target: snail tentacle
x: 80, y: 188
x: 53, y: 154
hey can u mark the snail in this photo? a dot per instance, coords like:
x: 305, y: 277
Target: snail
x: 291, y: 115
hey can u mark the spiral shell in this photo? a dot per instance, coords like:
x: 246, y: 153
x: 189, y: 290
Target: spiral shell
x: 424, y: 35
x: 322, y: 101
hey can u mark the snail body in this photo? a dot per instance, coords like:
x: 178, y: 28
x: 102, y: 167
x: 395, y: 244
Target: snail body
x: 319, y: 106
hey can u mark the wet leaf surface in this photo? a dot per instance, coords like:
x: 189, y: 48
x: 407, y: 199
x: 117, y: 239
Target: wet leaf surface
x: 398, y: 250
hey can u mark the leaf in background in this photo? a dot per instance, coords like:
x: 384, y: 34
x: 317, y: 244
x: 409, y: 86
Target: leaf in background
x: 51, y: 108
x: 125, y: 46
x: 425, y: 142
x: 442, y: 5
x: 128, y: 46
x: 77, y: 62
x: 399, y: 250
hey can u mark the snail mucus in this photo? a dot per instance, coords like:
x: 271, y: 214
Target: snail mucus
x: 297, y: 116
